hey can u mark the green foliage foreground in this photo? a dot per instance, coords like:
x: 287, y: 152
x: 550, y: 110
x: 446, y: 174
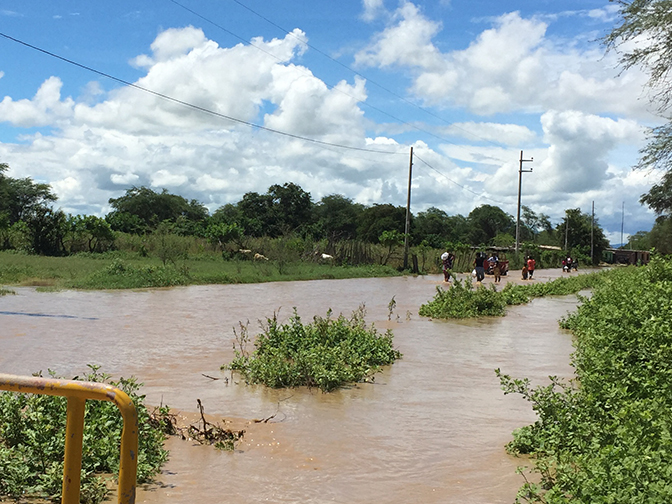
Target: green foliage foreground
x: 606, y: 437
x: 32, y: 442
x: 327, y: 353
x: 463, y: 301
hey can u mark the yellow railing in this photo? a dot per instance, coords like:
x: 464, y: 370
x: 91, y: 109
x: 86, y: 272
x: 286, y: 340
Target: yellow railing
x: 77, y: 393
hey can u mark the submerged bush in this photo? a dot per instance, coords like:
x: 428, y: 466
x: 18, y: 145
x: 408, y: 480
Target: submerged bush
x: 461, y: 301
x: 607, y: 435
x: 327, y: 353
x: 32, y: 442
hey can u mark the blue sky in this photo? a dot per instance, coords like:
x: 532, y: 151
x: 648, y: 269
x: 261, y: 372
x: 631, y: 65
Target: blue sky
x: 467, y: 84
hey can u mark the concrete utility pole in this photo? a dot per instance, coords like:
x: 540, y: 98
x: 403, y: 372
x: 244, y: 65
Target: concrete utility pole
x: 520, y: 185
x: 407, y: 229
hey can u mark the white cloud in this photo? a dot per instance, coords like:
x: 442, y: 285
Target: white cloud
x: 372, y: 8
x: 45, y: 108
x: 513, y: 66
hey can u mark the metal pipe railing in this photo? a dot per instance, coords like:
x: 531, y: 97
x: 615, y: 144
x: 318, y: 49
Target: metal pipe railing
x: 77, y: 393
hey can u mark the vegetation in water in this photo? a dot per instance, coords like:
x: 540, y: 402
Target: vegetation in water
x: 606, y: 435
x: 462, y: 300
x: 327, y: 353
x: 32, y: 442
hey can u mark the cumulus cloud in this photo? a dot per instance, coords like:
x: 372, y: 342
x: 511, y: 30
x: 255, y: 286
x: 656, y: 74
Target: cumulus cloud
x: 45, y: 108
x: 372, y: 8
x: 512, y: 66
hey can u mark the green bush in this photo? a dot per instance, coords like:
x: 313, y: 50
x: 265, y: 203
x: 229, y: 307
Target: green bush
x: 32, y: 442
x: 327, y: 353
x: 607, y: 435
x: 461, y: 301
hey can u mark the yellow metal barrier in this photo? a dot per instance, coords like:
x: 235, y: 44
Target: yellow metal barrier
x: 77, y: 393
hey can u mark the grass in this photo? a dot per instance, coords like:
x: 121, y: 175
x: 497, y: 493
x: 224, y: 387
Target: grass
x: 119, y: 270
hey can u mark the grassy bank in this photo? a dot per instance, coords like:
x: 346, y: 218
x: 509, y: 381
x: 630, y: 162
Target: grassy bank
x: 127, y: 271
x: 607, y: 436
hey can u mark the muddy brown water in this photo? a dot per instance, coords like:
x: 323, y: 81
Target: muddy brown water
x: 431, y: 428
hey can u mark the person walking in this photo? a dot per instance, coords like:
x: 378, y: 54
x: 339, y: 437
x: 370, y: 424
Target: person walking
x: 497, y: 271
x: 447, y: 259
x: 478, y: 264
x: 531, y: 264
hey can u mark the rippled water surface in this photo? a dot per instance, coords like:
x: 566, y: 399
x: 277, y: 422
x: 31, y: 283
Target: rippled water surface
x: 431, y: 428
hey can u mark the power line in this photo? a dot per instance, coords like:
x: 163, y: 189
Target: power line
x: 191, y: 105
x: 373, y: 107
x: 481, y: 195
x: 426, y: 111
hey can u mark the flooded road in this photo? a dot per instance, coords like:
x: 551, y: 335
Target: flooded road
x: 431, y: 428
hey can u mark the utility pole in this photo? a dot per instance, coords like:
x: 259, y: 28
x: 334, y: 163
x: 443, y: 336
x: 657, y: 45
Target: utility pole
x: 566, y: 228
x: 592, y: 223
x: 622, y: 221
x: 407, y: 229
x: 520, y: 185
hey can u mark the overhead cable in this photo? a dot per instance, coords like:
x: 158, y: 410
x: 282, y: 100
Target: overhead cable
x: 191, y: 105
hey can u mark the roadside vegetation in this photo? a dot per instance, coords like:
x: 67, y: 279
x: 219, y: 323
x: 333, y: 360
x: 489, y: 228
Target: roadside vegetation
x: 32, y: 443
x: 327, y: 353
x: 155, y: 238
x: 462, y: 300
x: 605, y: 436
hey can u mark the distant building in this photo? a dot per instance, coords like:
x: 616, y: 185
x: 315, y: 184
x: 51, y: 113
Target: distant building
x: 625, y: 256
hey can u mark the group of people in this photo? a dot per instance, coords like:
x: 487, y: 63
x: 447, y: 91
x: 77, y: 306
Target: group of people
x: 528, y: 268
x: 448, y: 258
x: 569, y: 264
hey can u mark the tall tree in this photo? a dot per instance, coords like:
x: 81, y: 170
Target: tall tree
x: 643, y: 40
x: 142, y: 205
x: 486, y: 222
x: 575, y: 227
x: 337, y: 217
x: 378, y: 218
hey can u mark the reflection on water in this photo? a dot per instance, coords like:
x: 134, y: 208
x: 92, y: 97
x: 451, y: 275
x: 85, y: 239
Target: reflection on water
x: 431, y: 428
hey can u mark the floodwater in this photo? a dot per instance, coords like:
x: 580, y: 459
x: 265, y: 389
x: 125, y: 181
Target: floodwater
x: 430, y: 429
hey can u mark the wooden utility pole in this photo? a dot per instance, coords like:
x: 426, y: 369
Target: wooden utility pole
x: 407, y: 229
x: 520, y: 185
x: 592, y: 225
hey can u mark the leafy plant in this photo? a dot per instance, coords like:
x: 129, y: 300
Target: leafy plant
x: 327, y: 353
x: 607, y: 435
x: 32, y: 442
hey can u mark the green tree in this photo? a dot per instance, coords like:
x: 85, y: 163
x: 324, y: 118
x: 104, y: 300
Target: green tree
x: 142, y: 209
x: 292, y: 208
x: 435, y: 227
x: 256, y: 214
x: 21, y: 197
x: 486, y: 222
x: 575, y: 227
x: 89, y: 233
x: 378, y: 218
x: 533, y: 224
x: 337, y: 217
x: 390, y: 240
x: 643, y: 40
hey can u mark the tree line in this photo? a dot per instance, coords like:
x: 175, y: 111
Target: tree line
x: 29, y: 221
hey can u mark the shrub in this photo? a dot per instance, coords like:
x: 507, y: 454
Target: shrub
x: 607, y: 436
x: 327, y: 353
x: 32, y: 442
x: 461, y: 301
